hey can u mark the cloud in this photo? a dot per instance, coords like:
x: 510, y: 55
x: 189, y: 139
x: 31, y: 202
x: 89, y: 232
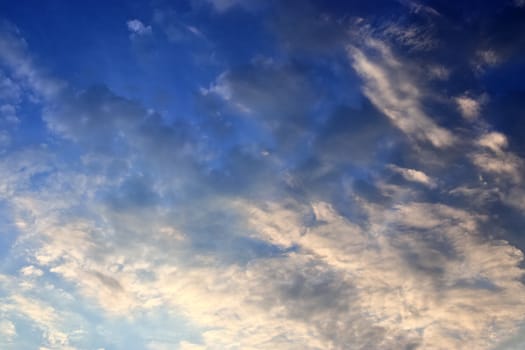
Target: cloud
x: 254, y: 90
x: 14, y: 55
x: 31, y: 271
x: 439, y: 72
x: 494, y: 141
x: 506, y: 164
x: 222, y: 6
x: 7, y: 329
x: 389, y: 87
x: 20, y: 304
x: 268, y: 222
x: 469, y: 107
x: 414, y: 175
x: 137, y: 28
x: 413, y: 291
x: 270, y: 94
x: 496, y: 159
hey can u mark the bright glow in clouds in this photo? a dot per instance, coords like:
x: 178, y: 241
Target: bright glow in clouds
x: 218, y: 175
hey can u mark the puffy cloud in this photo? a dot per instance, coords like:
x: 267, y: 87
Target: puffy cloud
x: 469, y: 107
x: 494, y: 141
x: 31, y: 270
x: 414, y: 37
x: 137, y: 28
x: 439, y: 72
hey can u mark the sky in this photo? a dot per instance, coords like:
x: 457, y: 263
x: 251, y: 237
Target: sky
x: 262, y: 174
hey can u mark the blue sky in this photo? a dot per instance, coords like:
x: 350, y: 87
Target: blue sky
x: 228, y: 174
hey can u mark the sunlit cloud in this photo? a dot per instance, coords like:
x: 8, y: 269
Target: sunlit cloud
x: 248, y: 175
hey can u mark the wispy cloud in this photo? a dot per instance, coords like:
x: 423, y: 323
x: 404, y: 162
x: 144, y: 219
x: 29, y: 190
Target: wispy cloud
x: 319, y: 192
x: 388, y: 84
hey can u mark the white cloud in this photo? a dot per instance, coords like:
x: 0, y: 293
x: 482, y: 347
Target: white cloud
x: 7, y: 330
x: 44, y: 316
x: 494, y: 141
x: 137, y: 28
x: 411, y: 287
x: 391, y: 89
x: 494, y: 159
x: 13, y: 53
x: 31, y: 271
x: 505, y: 164
x: 469, y: 107
x: 411, y: 273
x: 408, y: 274
x: 414, y: 175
